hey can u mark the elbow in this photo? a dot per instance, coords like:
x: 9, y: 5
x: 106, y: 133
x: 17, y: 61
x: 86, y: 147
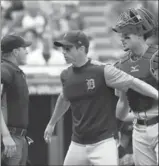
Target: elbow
x: 121, y: 116
x: 122, y: 110
x: 134, y: 84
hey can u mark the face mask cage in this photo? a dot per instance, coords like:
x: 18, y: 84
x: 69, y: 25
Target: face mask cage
x: 133, y: 21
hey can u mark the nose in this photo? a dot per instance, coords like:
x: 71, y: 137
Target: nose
x: 64, y: 51
x: 122, y: 39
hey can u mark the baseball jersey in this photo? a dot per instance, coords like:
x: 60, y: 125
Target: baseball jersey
x: 93, y: 103
x: 17, y: 95
x: 141, y: 69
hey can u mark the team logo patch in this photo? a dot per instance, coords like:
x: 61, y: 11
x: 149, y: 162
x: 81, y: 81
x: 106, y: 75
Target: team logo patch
x: 134, y: 68
x: 90, y: 84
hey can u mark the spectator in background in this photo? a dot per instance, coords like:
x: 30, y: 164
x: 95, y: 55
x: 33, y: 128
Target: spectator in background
x: 73, y: 17
x: 51, y: 54
x: 35, y: 52
x: 56, y: 20
x: 34, y: 18
x: 12, y: 13
x: 41, y: 52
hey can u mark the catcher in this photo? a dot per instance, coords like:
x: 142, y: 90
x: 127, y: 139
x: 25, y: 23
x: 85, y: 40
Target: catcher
x: 141, y: 61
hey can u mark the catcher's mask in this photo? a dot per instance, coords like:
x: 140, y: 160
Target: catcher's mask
x: 136, y: 21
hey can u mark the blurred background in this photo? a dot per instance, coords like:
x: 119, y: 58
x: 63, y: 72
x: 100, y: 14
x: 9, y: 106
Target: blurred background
x: 42, y: 22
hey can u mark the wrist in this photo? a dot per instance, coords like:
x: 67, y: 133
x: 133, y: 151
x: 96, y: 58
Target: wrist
x: 51, y: 124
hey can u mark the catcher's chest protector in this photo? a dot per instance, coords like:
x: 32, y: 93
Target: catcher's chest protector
x: 144, y: 70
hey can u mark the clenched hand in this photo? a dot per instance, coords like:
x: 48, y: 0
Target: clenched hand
x: 48, y: 133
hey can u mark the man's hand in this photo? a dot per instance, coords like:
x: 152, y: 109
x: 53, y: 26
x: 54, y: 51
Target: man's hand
x: 9, y: 146
x: 48, y: 133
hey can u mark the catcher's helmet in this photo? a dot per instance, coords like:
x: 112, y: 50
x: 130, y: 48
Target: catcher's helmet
x: 136, y: 21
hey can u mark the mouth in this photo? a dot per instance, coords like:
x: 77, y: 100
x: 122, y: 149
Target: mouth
x: 124, y: 44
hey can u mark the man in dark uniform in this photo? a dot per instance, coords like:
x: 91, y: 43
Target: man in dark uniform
x: 141, y: 61
x: 14, y: 89
x: 87, y: 91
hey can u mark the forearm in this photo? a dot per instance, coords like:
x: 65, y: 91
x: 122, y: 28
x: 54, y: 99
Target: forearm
x: 4, y: 128
x: 61, y: 107
x: 121, y: 80
x: 144, y: 88
x: 122, y: 110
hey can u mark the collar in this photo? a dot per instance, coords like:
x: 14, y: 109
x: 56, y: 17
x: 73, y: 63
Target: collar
x: 12, y: 64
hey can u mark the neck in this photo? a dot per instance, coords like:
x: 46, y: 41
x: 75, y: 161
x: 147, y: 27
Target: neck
x: 140, y: 50
x: 12, y: 59
x: 81, y: 62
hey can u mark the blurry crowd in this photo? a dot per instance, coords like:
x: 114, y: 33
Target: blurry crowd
x: 41, y: 23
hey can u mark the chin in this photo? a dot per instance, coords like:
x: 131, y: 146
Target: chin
x: 22, y: 63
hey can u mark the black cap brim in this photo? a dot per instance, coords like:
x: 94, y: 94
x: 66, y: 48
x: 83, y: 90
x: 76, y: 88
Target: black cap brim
x: 116, y: 30
x: 62, y: 43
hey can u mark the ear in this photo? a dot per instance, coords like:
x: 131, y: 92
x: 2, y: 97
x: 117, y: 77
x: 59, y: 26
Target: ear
x: 140, y: 37
x: 82, y: 48
x: 15, y: 51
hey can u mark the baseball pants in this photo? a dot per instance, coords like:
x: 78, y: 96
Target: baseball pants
x: 145, y: 145
x: 101, y: 153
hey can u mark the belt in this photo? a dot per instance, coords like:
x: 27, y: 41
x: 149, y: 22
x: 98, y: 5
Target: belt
x: 149, y: 121
x: 17, y: 131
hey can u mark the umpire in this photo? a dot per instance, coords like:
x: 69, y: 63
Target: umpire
x: 14, y: 87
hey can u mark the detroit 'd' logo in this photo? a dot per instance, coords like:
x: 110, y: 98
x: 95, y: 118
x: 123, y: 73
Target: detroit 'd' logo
x: 90, y: 83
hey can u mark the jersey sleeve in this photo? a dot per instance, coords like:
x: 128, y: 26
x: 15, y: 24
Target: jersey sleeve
x: 116, y: 78
x: 6, y: 74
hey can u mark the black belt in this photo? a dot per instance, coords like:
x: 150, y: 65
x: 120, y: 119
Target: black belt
x: 149, y: 121
x: 17, y: 131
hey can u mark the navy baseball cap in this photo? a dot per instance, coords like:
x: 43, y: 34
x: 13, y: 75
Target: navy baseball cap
x: 73, y: 38
x: 10, y: 42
